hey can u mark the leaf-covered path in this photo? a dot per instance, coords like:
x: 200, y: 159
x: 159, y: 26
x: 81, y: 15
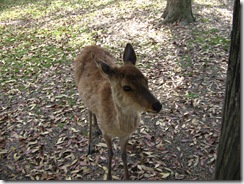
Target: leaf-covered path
x: 43, y: 122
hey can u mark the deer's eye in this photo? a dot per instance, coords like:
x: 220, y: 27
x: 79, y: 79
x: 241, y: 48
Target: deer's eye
x: 127, y: 88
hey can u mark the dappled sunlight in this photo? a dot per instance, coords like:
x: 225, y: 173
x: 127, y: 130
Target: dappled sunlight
x: 225, y: 14
x: 209, y: 3
x: 44, y: 127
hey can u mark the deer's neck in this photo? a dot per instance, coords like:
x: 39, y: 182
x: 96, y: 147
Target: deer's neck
x: 127, y: 120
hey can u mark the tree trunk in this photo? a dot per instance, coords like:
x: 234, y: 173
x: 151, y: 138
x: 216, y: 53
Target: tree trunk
x: 178, y: 11
x: 228, y: 158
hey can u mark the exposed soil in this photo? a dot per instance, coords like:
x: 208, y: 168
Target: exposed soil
x: 43, y: 121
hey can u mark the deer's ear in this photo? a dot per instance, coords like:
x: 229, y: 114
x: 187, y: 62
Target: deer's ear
x: 129, y: 54
x: 103, y: 67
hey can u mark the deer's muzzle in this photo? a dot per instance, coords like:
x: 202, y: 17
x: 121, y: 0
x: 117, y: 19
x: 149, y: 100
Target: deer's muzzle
x: 157, y: 106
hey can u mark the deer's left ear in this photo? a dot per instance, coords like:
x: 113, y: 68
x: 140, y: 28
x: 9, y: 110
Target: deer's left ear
x: 103, y: 67
x: 129, y: 54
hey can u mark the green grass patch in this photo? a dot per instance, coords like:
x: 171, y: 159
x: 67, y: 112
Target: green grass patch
x: 208, y: 39
x: 185, y: 61
x: 61, y: 125
x: 191, y: 95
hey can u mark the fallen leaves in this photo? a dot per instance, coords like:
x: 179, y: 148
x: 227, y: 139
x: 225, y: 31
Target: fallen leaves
x: 43, y: 122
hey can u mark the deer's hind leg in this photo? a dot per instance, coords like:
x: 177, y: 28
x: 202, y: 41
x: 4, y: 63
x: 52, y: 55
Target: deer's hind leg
x: 92, y: 118
x: 98, y: 131
x: 90, y: 146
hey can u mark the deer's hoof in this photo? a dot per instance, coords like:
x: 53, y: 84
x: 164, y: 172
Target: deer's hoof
x: 98, y: 132
x: 90, y: 150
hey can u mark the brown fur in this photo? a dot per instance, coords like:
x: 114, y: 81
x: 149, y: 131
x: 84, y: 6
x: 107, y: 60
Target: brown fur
x: 101, y: 86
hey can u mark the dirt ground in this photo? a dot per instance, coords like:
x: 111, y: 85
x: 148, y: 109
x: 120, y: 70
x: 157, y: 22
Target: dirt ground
x: 44, y: 127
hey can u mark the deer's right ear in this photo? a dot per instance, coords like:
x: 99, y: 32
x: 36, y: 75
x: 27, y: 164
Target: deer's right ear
x: 103, y: 67
x: 129, y: 55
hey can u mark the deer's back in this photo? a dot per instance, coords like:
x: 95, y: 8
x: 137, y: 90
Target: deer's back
x: 91, y: 84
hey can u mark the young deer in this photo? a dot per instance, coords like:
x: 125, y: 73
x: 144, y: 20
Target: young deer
x: 115, y: 96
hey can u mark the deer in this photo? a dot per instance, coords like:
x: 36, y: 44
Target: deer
x: 114, y: 95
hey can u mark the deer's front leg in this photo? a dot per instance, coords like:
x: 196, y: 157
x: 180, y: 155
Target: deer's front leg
x: 110, y: 155
x: 123, y: 145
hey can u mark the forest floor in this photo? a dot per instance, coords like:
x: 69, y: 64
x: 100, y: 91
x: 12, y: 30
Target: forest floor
x: 43, y: 122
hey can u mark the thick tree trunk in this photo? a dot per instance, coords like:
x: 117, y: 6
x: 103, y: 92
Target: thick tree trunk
x: 178, y: 11
x: 228, y: 158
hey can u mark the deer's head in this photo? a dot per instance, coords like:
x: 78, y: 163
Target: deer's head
x: 129, y: 86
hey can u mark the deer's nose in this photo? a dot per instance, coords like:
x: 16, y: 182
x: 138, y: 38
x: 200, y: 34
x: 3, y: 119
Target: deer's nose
x: 157, y: 106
